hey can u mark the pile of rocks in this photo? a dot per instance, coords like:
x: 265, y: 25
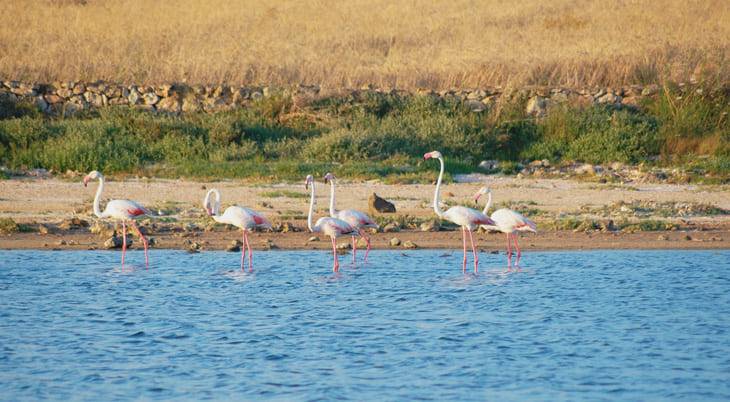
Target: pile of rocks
x: 69, y: 97
x: 614, y: 172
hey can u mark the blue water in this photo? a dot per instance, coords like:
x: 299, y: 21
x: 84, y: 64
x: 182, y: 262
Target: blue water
x: 627, y: 325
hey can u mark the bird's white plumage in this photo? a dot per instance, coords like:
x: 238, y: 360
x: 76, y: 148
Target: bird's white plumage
x: 124, y: 209
x: 334, y: 227
x: 243, y: 218
x: 509, y: 221
x: 466, y: 217
x: 355, y: 218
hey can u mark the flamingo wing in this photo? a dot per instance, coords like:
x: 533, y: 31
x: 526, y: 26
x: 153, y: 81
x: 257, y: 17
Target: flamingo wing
x: 258, y: 219
x: 335, y: 227
x: 244, y: 218
x: 125, y: 209
x: 470, y: 218
x: 356, y: 219
x: 511, y: 221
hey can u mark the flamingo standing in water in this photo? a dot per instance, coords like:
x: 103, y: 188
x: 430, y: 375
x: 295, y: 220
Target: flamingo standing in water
x: 243, y: 218
x: 332, y: 227
x: 119, y: 210
x: 507, y: 221
x: 356, y: 219
x: 469, y: 219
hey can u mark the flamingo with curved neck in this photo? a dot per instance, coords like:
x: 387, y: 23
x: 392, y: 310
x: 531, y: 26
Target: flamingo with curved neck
x: 332, y: 227
x: 119, y: 210
x: 507, y: 221
x: 243, y: 218
x: 469, y: 219
x: 358, y: 220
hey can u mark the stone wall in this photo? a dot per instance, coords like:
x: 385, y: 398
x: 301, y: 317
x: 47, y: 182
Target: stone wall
x: 68, y: 98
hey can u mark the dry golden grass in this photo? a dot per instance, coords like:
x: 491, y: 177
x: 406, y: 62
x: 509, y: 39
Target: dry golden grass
x: 404, y: 44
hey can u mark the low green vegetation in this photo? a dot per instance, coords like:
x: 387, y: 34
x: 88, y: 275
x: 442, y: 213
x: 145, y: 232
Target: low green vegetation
x: 584, y: 224
x: 8, y: 225
x: 283, y: 194
x: 374, y: 136
x: 646, y: 208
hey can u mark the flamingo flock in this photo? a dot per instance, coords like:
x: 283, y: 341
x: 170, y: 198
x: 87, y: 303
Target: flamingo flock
x: 339, y: 223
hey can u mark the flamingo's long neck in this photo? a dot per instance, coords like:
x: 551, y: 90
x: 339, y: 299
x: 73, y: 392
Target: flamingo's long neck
x: 311, y: 210
x: 486, y: 208
x: 436, y: 207
x: 333, y: 211
x: 97, y: 198
x: 489, y: 203
x: 215, y: 208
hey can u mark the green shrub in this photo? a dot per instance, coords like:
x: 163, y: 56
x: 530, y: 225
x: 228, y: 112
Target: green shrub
x: 597, y: 134
x: 691, y: 122
x: 10, y: 109
x: 7, y: 225
x: 373, y: 137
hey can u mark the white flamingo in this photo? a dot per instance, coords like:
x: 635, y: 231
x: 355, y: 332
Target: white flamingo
x: 119, y: 210
x: 356, y: 219
x: 243, y: 218
x: 469, y: 219
x: 507, y: 221
x: 331, y: 227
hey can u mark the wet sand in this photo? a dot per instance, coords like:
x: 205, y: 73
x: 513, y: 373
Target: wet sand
x: 549, y: 240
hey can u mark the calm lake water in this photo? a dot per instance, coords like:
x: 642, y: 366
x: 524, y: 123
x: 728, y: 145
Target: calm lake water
x: 627, y: 325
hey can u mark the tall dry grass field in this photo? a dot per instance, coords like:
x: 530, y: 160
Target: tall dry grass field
x: 405, y: 44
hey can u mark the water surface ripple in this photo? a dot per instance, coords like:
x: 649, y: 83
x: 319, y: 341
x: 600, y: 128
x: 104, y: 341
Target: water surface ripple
x: 590, y: 325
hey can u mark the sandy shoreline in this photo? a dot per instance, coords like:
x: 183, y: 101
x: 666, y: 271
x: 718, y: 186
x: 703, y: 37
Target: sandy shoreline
x: 488, y: 242
x: 50, y: 201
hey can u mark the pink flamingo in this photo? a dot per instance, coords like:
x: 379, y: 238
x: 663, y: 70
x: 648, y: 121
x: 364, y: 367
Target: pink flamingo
x: 507, y: 221
x: 332, y: 227
x: 243, y: 218
x: 469, y: 219
x: 356, y: 219
x: 119, y: 210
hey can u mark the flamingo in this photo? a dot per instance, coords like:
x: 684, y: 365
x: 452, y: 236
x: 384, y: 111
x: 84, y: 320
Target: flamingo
x: 469, y: 219
x: 243, y: 218
x: 507, y: 221
x: 119, y: 210
x: 356, y: 219
x: 332, y: 227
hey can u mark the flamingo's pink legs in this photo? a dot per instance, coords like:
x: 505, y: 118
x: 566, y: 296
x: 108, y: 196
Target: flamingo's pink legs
x: 354, y: 249
x: 519, y: 252
x: 509, y: 252
x: 463, y: 236
x: 144, y: 241
x: 367, y: 240
x: 474, y: 250
x: 250, y: 253
x: 124, y: 241
x: 243, y: 249
x: 336, y: 263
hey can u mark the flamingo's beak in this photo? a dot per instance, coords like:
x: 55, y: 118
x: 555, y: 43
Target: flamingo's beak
x: 326, y: 180
x: 86, y: 181
x: 210, y: 211
x: 476, y: 197
x: 427, y: 156
x: 306, y: 185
